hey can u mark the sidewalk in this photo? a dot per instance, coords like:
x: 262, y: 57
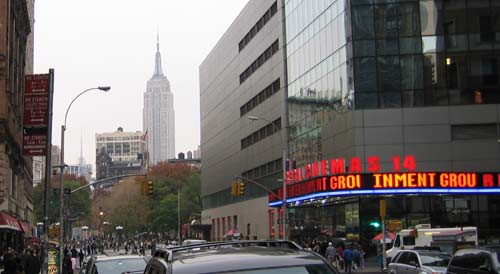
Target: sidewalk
x: 371, y: 266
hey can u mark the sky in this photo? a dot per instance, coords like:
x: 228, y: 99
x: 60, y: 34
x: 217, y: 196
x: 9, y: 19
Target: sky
x: 113, y: 43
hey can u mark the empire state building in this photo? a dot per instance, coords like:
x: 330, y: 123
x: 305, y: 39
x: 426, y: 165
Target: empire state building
x: 158, y: 115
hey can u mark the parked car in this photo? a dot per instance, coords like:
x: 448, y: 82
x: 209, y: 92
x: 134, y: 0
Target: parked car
x: 115, y: 264
x: 250, y: 257
x: 419, y: 261
x: 482, y: 260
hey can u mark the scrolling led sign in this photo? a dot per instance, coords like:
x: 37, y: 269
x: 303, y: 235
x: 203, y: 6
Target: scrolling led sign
x: 324, y: 179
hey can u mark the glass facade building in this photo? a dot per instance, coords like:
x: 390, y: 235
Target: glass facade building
x: 347, y: 56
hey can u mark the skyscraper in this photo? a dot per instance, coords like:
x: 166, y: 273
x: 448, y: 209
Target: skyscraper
x: 158, y: 115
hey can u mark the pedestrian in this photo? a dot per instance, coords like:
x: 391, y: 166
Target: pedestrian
x: 67, y: 267
x: 10, y: 266
x: 348, y: 257
x: 362, y: 257
x: 74, y: 252
x: 331, y: 253
x: 340, y: 256
x: 81, y: 256
x: 31, y: 263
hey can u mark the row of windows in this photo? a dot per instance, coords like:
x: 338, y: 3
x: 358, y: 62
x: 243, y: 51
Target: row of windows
x: 258, y: 26
x: 264, y: 169
x: 270, y: 51
x: 403, y: 19
x: 114, y: 139
x: 261, y: 97
x: 262, y: 133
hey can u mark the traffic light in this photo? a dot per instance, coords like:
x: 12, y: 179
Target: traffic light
x: 375, y: 224
x: 238, y: 188
x: 149, y: 189
x: 234, y: 188
x: 241, y: 188
x: 101, y: 213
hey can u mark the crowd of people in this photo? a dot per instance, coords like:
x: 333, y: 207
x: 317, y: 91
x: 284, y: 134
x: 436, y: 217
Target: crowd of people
x: 343, y: 256
x: 28, y: 261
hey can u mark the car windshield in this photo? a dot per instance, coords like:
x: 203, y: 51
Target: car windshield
x: 435, y: 259
x: 304, y: 269
x: 119, y: 266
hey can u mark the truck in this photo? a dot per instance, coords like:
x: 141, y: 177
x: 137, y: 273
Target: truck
x: 448, y: 239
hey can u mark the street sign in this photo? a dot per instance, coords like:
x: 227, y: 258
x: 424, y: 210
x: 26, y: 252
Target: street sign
x: 36, y: 100
x: 66, y: 191
x: 35, y: 141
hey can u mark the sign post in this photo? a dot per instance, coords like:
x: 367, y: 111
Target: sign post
x: 37, y: 136
x: 383, y: 207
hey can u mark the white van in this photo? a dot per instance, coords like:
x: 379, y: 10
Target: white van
x: 448, y: 238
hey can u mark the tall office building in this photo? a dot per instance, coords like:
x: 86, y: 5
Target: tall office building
x: 158, y: 115
x: 373, y: 82
x: 243, y: 78
x: 374, y: 88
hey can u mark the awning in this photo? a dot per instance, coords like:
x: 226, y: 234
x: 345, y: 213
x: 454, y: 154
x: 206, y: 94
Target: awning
x: 9, y: 222
x: 26, y: 229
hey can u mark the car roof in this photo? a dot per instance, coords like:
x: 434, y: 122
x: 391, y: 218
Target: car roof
x: 232, y: 256
x: 119, y: 257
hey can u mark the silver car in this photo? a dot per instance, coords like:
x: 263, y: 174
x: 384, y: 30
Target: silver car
x: 419, y: 261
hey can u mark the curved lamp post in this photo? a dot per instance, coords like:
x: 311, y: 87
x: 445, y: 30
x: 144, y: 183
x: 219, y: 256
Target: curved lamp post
x: 62, y: 166
x: 254, y: 118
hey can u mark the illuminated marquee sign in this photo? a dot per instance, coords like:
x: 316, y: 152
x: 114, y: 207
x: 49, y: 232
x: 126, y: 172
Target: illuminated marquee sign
x: 338, y: 166
x: 390, y: 183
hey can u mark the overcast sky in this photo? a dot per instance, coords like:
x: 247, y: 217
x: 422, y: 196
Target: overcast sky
x: 113, y: 42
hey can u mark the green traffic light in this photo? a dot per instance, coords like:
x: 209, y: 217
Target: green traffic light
x: 375, y: 224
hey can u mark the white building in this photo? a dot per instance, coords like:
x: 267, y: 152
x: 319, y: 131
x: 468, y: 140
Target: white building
x: 158, y: 115
x: 121, y: 146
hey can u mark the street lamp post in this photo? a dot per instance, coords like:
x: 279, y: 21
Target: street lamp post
x: 61, y: 183
x: 283, y: 146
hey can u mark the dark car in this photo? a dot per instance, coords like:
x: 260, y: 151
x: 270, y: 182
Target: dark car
x: 482, y: 260
x: 419, y: 262
x: 253, y: 257
x: 116, y: 264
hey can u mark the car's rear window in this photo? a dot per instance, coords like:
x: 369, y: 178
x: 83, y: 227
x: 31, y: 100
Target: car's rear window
x: 305, y: 269
x: 119, y: 266
x: 435, y: 259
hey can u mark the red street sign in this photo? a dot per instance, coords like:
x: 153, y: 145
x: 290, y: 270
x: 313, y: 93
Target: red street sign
x: 36, y: 100
x: 35, y: 142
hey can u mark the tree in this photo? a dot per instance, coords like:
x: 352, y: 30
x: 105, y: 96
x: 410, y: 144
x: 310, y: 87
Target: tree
x: 77, y: 204
x: 123, y: 206
x: 167, y: 180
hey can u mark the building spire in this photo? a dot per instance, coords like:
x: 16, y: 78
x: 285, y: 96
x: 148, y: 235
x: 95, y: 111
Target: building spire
x: 158, y: 70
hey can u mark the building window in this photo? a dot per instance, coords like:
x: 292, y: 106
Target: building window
x: 258, y: 26
x: 270, y: 51
x: 261, y: 133
x: 260, y: 98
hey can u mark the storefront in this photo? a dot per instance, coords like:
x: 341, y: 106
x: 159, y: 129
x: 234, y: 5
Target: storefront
x: 325, y: 203
x: 10, y: 232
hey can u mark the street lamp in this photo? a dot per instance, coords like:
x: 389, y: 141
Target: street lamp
x: 62, y: 166
x: 285, y: 213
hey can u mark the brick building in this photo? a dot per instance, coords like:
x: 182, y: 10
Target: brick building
x: 16, y: 179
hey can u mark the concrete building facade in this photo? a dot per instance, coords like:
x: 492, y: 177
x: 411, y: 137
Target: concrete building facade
x: 159, y: 115
x: 242, y: 77
x: 120, y: 153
